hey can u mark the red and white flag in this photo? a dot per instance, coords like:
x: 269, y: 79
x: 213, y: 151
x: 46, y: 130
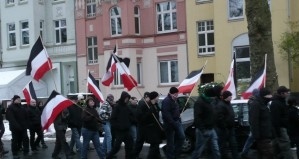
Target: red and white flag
x: 29, y: 93
x: 258, y: 82
x: 55, y: 104
x: 39, y: 62
x: 107, y: 79
x: 122, y: 67
x: 189, y: 82
x: 92, y: 86
x: 230, y: 83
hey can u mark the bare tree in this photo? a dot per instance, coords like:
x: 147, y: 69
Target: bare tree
x: 260, y: 39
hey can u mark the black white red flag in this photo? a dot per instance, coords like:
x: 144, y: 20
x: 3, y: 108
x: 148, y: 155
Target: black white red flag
x: 29, y: 93
x: 108, y: 77
x: 39, y: 62
x: 189, y: 82
x: 92, y: 86
x: 230, y: 83
x: 55, y: 104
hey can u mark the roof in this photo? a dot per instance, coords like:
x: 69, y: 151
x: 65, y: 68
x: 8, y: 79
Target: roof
x: 8, y: 76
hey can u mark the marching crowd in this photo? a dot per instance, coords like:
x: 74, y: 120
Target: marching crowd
x: 274, y: 125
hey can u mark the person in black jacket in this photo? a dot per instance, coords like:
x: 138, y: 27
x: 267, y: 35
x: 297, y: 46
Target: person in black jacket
x: 121, y: 120
x: 279, y: 115
x: 175, y: 135
x: 34, y: 124
x: 75, y: 123
x: 41, y: 107
x: 293, y: 121
x: 225, y: 126
x: 90, y: 128
x: 261, y: 124
x: 18, y: 124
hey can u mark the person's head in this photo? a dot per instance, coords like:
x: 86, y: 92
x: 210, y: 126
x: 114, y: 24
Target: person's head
x: 40, y: 103
x: 154, y: 97
x: 146, y: 96
x: 174, y: 92
x: 266, y: 95
x: 90, y: 102
x: 226, y: 96
x: 292, y: 101
x: 33, y: 102
x: 256, y: 92
x: 217, y: 90
x: 209, y: 92
x: 283, y: 91
x: 124, y: 97
x: 110, y: 99
x: 133, y: 100
x: 16, y: 99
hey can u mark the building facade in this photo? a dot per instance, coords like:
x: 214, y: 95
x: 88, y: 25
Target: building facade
x: 152, y: 33
x: 217, y: 29
x: 22, y: 21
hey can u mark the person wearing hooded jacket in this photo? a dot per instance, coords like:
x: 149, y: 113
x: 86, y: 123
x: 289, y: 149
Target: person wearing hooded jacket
x: 18, y: 124
x: 121, y: 120
x: 261, y: 124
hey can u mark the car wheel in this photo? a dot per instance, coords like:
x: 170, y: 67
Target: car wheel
x: 188, y: 145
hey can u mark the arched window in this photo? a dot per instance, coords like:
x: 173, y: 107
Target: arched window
x: 115, y: 21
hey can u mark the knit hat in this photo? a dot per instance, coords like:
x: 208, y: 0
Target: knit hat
x: 110, y: 98
x: 264, y: 92
x: 282, y: 89
x: 226, y: 94
x: 15, y: 97
x: 173, y: 90
x: 153, y: 95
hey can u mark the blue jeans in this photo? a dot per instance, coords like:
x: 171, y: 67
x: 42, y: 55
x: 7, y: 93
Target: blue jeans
x: 107, y: 142
x: 75, y: 138
x: 249, y: 142
x: 134, y: 133
x: 175, y: 138
x: 202, y: 137
x: 95, y: 138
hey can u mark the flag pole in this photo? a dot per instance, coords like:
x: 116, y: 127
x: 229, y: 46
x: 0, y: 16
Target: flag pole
x: 87, y: 80
x: 265, y: 69
x: 193, y: 89
x: 135, y: 86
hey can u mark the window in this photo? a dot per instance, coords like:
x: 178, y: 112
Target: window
x: 242, y: 62
x: 166, y: 16
x: 11, y: 35
x: 168, y: 72
x: 92, y: 50
x: 60, y: 31
x: 22, y: 1
x: 41, y: 28
x: 139, y: 73
x: 25, y: 33
x: 137, y: 20
x: 206, y: 43
x: 115, y: 21
x: 10, y: 2
x: 91, y: 8
x: 117, y: 79
x: 236, y: 9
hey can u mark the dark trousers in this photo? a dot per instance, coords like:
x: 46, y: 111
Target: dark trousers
x: 295, y: 140
x: 61, y: 144
x: 154, y: 151
x: 226, y: 137
x: 122, y: 136
x: 18, y: 136
x: 265, y: 149
x: 140, y: 141
x: 34, y: 142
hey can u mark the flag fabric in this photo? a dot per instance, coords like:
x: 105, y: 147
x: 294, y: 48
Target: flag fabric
x: 39, y: 62
x: 29, y: 93
x: 230, y: 83
x: 189, y: 82
x: 122, y: 67
x: 55, y: 104
x: 92, y: 86
x: 110, y: 70
x: 257, y: 83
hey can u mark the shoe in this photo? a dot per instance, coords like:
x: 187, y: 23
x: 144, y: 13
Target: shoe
x: 44, y: 146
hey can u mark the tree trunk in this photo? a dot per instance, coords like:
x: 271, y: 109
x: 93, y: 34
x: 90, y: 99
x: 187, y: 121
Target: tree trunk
x: 260, y: 40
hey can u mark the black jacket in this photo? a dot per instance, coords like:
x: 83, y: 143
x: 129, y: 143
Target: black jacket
x: 170, y: 111
x: 225, y: 115
x: 17, y: 116
x: 204, y: 114
x: 293, y: 121
x: 75, y: 120
x: 34, y: 115
x: 279, y: 114
x: 90, y: 119
x: 60, y: 123
x: 260, y: 119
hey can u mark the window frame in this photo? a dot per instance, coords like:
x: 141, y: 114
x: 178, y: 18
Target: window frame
x: 169, y: 82
x: 41, y: 28
x: 139, y: 73
x: 13, y: 32
x: 170, y: 12
x: 240, y: 60
x: 137, y: 18
x: 116, y: 18
x: 59, y: 29
x: 93, y: 47
x: 117, y: 81
x: 207, y: 24
x: 22, y: 31
x: 92, y: 5
x: 10, y: 2
x: 229, y: 10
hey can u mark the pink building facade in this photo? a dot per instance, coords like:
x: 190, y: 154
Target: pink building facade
x: 152, y: 33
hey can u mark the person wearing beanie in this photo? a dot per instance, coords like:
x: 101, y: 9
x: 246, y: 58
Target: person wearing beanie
x: 225, y: 120
x: 105, y: 112
x: 279, y: 116
x: 174, y: 131
x: 18, y: 124
x: 204, y: 122
x: 261, y: 124
x: 121, y: 120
